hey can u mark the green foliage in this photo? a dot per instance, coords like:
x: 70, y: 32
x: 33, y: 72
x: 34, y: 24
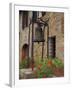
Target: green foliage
x: 45, y: 67
x: 23, y: 64
x: 58, y: 63
x: 42, y: 69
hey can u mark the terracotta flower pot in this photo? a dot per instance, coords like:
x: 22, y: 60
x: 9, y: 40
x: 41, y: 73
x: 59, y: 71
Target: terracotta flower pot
x: 44, y: 76
x: 58, y: 72
x: 32, y: 67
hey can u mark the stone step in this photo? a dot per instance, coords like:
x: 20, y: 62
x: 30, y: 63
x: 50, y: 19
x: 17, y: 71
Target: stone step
x: 26, y: 73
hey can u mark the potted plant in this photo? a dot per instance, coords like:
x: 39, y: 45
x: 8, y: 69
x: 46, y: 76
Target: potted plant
x: 58, y: 67
x: 43, y: 69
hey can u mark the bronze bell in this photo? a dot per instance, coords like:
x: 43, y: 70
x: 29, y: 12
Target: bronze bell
x: 39, y: 34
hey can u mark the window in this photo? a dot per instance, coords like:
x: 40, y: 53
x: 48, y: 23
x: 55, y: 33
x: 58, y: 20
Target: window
x: 24, y: 19
x: 34, y: 17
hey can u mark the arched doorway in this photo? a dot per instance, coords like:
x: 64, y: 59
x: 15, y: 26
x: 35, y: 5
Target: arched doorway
x: 25, y: 51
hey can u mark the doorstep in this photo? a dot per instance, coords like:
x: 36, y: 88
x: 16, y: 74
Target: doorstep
x: 26, y: 73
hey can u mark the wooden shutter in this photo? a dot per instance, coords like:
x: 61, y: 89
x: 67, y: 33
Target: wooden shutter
x: 34, y: 17
x: 24, y: 19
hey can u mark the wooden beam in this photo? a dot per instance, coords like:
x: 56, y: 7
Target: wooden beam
x: 47, y: 41
x: 32, y: 43
x: 43, y: 44
x: 28, y: 44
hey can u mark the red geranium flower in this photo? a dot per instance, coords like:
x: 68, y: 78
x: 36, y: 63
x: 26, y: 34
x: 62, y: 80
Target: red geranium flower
x: 39, y: 66
x: 49, y: 64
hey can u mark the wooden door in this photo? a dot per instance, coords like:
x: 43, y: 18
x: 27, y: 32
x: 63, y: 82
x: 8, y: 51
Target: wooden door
x: 52, y: 46
x: 25, y: 51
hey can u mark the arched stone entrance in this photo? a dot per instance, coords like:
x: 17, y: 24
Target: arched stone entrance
x: 25, y: 51
x: 25, y: 54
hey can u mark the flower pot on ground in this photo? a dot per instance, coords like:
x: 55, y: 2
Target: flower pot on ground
x: 58, y: 67
x: 58, y: 72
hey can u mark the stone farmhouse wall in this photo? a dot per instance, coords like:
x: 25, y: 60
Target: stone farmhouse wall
x: 56, y: 28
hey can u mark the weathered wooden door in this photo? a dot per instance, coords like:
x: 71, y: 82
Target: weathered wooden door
x: 52, y: 46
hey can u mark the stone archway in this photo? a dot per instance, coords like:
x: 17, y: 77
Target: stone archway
x: 25, y: 51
